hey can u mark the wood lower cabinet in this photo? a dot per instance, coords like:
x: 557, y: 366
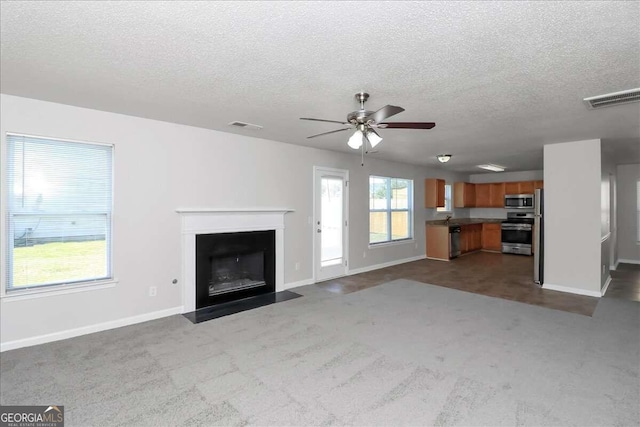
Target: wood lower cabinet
x: 470, y: 238
x: 491, y: 237
x: 434, y: 193
x: 464, y: 195
x: 437, y: 242
x: 473, y: 237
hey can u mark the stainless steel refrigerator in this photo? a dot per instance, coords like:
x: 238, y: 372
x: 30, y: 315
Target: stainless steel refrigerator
x: 538, y: 237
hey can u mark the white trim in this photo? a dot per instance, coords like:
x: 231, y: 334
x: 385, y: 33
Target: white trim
x: 605, y: 237
x: 84, y: 330
x: 392, y: 243
x: 437, y: 259
x: 232, y: 210
x: 299, y: 283
x: 570, y: 290
x: 196, y: 221
x: 615, y: 266
x: 605, y: 286
x: 18, y: 295
x: 384, y: 265
x: 75, y: 141
x: 627, y: 261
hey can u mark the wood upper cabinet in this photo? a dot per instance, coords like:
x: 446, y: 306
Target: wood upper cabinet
x: 527, y: 187
x: 512, y: 187
x: 483, y: 195
x: 496, y: 193
x: 491, y: 237
x: 464, y: 195
x: 521, y: 187
x: 434, y: 193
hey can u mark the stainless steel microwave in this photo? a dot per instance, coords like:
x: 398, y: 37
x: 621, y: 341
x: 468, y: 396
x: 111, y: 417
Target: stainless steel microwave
x: 518, y: 201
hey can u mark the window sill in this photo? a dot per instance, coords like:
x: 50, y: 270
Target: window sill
x: 386, y: 244
x: 58, y: 290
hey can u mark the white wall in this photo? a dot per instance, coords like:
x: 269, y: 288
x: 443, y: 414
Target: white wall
x: 162, y: 166
x: 572, y: 215
x: 607, y: 210
x: 482, y: 178
x: 628, y: 247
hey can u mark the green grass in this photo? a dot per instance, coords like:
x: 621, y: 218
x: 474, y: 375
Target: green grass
x: 59, y: 262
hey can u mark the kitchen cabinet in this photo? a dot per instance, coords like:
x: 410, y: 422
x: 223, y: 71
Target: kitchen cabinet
x: 526, y: 187
x: 512, y: 187
x: 434, y: 193
x: 437, y: 240
x: 464, y: 195
x: 470, y: 238
x: 491, y: 237
x: 483, y: 195
x: 496, y: 195
x: 538, y: 184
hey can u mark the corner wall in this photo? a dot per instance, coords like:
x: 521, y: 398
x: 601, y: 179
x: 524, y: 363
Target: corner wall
x: 628, y: 246
x: 572, y: 217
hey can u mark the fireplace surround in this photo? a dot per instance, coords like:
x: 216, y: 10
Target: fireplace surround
x: 197, y: 222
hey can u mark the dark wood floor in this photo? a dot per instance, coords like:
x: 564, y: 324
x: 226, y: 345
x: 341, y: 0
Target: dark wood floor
x: 625, y: 283
x: 492, y: 274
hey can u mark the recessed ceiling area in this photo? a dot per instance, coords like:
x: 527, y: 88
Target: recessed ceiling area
x: 500, y: 79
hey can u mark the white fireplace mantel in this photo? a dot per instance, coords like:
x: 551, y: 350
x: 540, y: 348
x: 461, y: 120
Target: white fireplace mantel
x: 219, y: 220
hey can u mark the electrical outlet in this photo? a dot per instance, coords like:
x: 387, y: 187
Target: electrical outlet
x: 297, y: 266
x: 364, y: 254
x: 153, y: 291
x: 602, y: 268
x: 416, y: 245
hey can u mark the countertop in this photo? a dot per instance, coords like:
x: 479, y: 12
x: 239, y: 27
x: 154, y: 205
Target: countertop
x: 465, y: 221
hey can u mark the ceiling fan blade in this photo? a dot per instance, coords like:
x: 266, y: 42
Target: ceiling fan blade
x: 323, y: 120
x: 327, y: 133
x: 384, y: 113
x: 407, y: 125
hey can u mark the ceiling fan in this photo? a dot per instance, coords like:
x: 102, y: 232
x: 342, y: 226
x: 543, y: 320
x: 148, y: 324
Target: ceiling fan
x: 366, y: 122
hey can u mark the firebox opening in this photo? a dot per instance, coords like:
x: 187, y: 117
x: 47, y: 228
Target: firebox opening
x: 234, y: 266
x: 243, y: 271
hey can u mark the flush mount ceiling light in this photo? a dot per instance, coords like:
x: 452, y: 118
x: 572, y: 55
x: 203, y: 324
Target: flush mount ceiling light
x: 493, y: 168
x: 443, y: 158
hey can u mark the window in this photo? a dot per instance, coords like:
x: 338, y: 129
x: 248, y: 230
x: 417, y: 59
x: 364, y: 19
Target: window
x: 447, y: 199
x: 390, y: 209
x: 58, y: 212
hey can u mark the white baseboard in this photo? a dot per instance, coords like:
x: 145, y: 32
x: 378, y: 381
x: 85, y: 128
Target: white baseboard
x: 304, y: 282
x: 84, y: 330
x: 615, y: 266
x: 605, y: 286
x: 570, y: 290
x: 627, y: 261
x: 384, y: 264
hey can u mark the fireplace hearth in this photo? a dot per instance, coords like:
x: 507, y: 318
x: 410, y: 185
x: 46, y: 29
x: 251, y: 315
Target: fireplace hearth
x: 234, y: 266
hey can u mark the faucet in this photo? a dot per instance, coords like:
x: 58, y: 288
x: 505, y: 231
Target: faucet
x: 446, y: 221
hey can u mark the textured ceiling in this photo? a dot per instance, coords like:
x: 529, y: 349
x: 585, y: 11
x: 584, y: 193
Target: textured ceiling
x: 500, y: 79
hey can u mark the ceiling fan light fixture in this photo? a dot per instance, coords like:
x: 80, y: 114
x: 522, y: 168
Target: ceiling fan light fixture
x: 374, y: 138
x: 355, y: 141
x: 443, y: 158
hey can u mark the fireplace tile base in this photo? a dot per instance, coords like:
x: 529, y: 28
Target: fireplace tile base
x: 233, y: 307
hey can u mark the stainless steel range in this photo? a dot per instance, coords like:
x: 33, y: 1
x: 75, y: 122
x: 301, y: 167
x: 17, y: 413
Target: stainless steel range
x: 517, y: 233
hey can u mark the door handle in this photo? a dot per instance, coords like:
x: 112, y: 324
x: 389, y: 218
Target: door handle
x: 319, y: 230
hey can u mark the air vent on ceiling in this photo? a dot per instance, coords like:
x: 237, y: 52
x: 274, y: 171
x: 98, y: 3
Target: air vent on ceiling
x: 623, y: 97
x: 245, y: 125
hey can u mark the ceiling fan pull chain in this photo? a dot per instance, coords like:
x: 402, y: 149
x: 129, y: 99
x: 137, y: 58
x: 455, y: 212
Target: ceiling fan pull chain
x: 362, y: 164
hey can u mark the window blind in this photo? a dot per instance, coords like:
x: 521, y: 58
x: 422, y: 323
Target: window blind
x: 58, y: 211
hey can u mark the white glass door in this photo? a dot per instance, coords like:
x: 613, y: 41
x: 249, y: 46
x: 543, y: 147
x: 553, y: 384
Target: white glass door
x: 330, y: 223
